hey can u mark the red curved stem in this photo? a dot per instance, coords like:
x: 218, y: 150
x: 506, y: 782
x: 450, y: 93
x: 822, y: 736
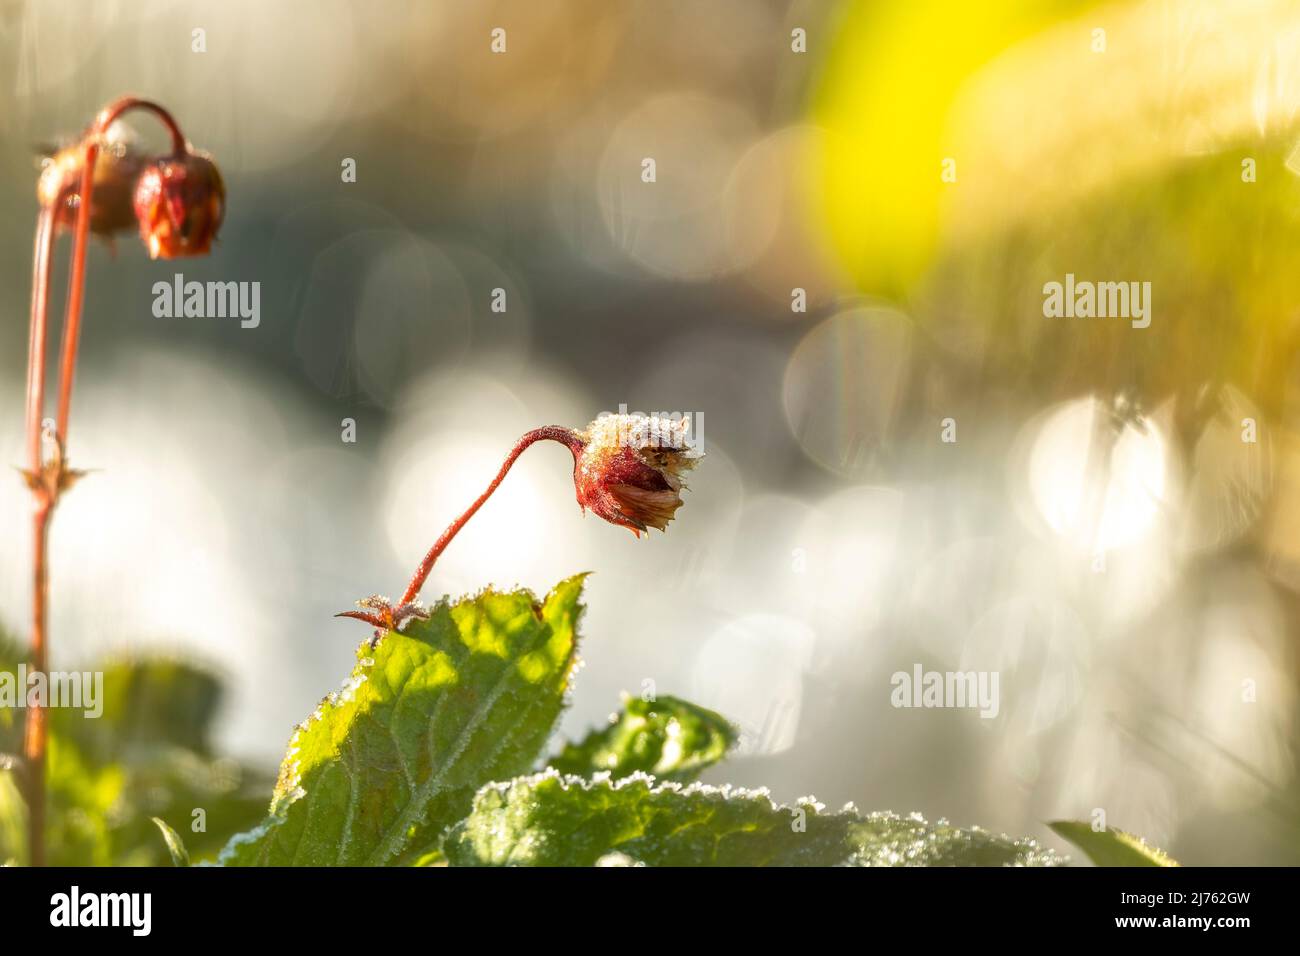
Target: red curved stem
x: 125, y: 104
x: 565, y: 436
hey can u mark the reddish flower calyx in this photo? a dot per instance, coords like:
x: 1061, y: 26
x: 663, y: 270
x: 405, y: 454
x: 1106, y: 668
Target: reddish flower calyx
x: 179, y: 203
x: 630, y: 469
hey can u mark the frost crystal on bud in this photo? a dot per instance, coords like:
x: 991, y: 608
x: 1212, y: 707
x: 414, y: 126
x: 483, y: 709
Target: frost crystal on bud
x: 630, y: 469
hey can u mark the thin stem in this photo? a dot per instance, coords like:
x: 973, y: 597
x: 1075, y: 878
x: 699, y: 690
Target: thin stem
x: 76, y: 291
x: 566, y: 436
x: 36, y: 335
x: 81, y: 238
x: 34, y: 735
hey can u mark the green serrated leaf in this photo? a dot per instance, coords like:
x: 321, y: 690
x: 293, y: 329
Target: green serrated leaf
x: 553, y: 820
x: 428, y: 716
x: 1110, y: 847
x: 667, y: 737
x: 887, y: 839
x: 175, y: 845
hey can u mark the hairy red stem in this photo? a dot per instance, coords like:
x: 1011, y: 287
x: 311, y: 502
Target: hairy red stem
x: 34, y: 735
x: 566, y: 436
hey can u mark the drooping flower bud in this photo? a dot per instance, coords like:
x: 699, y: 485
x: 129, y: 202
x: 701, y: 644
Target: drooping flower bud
x: 630, y: 469
x: 117, y: 167
x: 179, y: 203
x: 626, y: 468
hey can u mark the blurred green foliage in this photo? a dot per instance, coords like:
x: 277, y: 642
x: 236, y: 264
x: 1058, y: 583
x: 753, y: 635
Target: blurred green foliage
x: 148, y: 755
x: 1124, y: 162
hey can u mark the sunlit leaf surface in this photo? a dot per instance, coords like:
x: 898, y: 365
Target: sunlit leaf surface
x: 1111, y: 847
x: 553, y: 820
x: 427, y: 717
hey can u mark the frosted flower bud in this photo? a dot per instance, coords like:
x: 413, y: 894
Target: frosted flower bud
x: 629, y: 469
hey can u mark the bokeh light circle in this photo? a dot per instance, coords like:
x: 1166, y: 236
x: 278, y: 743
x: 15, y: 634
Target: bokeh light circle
x: 843, y: 384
